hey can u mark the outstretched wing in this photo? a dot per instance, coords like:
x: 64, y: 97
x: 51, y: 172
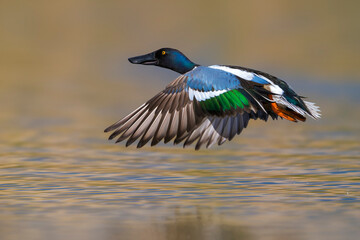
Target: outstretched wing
x: 201, y: 105
x: 168, y: 114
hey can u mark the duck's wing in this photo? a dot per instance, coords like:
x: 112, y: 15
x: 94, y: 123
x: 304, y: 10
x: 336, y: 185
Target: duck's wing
x: 168, y: 114
x: 196, y: 106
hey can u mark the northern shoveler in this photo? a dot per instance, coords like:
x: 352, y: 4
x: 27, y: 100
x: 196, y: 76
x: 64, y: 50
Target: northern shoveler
x: 207, y: 104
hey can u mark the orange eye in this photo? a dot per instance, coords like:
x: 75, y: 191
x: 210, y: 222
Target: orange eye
x: 163, y: 52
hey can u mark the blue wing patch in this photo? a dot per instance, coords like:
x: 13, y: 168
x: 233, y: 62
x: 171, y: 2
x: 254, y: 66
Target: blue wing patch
x: 259, y: 79
x: 208, y: 79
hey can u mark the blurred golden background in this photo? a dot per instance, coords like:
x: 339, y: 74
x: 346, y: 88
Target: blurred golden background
x: 65, y: 77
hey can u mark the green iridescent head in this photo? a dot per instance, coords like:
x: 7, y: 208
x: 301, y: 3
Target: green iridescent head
x: 167, y: 58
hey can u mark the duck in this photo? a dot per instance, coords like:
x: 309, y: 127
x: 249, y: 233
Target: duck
x: 207, y: 105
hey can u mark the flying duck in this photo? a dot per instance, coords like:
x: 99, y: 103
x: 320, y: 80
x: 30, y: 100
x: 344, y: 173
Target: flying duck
x: 207, y: 104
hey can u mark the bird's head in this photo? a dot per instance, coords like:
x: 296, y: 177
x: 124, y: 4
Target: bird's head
x: 167, y: 58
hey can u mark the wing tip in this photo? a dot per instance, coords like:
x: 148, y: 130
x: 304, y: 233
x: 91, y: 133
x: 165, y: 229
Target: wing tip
x: 110, y: 128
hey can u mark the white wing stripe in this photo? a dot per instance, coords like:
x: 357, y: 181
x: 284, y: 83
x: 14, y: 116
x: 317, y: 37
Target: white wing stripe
x: 191, y: 94
x: 202, y: 96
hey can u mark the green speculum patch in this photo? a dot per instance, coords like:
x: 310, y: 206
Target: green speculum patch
x: 229, y: 100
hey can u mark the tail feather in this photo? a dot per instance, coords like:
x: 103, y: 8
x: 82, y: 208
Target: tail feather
x: 313, y: 109
x: 287, y: 110
x: 287, y: 113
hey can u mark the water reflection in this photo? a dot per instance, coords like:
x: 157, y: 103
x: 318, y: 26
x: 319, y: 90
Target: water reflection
x: 202, y: 225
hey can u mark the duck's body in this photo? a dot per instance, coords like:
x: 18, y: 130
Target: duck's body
x: 207, y: 104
